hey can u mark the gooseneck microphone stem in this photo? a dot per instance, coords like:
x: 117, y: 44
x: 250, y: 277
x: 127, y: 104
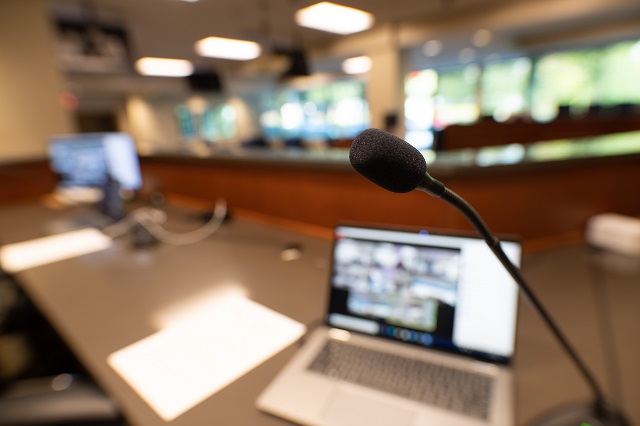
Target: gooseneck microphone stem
x: 437, y: 189
x: 397, y: 166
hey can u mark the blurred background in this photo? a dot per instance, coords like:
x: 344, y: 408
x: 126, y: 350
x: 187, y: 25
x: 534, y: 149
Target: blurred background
x: 529, y: 109
x: 429, y: 71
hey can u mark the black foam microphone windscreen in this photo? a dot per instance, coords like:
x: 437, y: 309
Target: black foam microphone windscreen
x: 387, y: 161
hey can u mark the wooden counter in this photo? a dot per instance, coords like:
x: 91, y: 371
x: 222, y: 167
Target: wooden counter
x: 540, y: 195
x: 534, y: 200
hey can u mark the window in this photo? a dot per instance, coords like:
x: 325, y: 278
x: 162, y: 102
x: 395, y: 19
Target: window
x: 419, y: 107
x: 332, y: 111
x: 185, y: 122
x: 456, y: 100
x: 438, y: 98
x: 564, y: 79
x: 218, y: 123
x: 206, y: 120
x: 618, y: 80
x: 504, y: 87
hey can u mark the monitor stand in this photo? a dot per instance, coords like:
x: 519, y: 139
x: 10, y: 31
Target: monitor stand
x: 98, y: 212
x: 112, y: 204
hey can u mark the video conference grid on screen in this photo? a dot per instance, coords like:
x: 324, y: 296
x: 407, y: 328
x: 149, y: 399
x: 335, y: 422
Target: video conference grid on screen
x: 447, y: 292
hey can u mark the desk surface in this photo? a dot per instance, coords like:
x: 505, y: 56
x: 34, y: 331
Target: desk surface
x: 105, y: 301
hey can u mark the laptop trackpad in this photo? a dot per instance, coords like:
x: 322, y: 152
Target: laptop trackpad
x: 348, y: 409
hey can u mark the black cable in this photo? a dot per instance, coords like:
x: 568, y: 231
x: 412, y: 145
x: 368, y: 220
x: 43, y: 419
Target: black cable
x: 603, y: 407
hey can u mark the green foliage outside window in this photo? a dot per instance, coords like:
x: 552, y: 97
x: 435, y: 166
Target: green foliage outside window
x: 576, y: 79
x: 564, y: 79
x: 619, y: 74
x: 504, y: 88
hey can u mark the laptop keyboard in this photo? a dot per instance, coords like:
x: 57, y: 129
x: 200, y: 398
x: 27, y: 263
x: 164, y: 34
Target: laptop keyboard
x: 445, y: 387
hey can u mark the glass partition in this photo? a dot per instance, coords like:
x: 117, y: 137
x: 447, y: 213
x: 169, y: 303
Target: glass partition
x: 617, y: 78
x: 564, y: 79
x: 335, y: 110
x: 504, y: 88
x: 210, y: 121
x: 457, y: 96
x: 540, y: 87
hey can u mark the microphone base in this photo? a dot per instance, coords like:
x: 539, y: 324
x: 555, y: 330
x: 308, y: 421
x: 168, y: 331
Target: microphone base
x: 579, y: 415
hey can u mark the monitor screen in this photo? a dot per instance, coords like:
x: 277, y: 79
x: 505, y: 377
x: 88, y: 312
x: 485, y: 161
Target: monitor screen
x: 90, y: 159
x: 444, y: 291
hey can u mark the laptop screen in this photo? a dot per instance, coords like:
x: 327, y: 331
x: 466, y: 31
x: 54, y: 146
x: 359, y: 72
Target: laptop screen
x: 447, y: 292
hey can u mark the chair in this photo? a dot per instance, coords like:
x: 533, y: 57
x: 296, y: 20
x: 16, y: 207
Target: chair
x: 46, y: 385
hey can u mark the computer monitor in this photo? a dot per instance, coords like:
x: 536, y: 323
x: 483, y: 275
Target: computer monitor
x: 92, y: 159
x: 106, y: 163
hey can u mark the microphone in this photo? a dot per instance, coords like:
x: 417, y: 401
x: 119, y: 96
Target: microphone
x: 391, y: 163
x: 397, y: 166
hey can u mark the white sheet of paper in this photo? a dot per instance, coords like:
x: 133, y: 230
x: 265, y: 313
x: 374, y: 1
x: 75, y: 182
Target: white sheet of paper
x: 53, y: 248
x: 180, y: 366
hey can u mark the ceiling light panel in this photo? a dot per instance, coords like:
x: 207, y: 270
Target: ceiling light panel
x: 357, y: 65
x: 164, y: 67
x: 334, y: 18
x: 227, y: 48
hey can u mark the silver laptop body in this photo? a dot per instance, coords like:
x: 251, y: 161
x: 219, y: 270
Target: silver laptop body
x: 420, y: 330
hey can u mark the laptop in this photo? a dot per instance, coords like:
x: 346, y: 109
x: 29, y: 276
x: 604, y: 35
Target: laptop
x: 420, y: 330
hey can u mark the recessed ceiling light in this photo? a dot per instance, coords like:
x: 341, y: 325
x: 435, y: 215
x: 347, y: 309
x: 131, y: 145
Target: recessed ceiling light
x: 357, y: 65
x: 334, y: 18
x: 228, y: 48
x: 164, y: 67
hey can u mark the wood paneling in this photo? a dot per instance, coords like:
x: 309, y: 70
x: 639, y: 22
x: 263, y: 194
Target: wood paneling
x: 538, y: 203
x: 533, y: 202
x: 23, y: 181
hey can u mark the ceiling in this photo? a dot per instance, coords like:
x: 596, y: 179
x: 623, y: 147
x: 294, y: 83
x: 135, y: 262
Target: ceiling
x: 169, y: 28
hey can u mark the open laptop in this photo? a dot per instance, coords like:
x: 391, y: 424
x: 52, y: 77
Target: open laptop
x: 420, y: 330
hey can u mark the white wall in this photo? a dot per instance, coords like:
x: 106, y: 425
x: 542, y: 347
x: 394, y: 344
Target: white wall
x: 30, y: 83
